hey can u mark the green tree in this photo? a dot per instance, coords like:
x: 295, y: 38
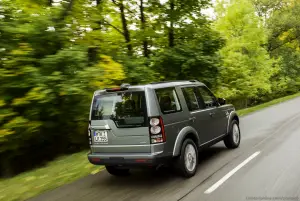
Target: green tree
x: 247, y: 66
x: 47, y: 80
x: 283, y: 42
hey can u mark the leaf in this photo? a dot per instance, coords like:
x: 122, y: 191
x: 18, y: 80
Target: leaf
x: 5, y: 132
x: 2, y: 103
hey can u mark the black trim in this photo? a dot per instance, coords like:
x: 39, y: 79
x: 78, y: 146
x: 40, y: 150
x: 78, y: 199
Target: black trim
x: 131, y: 162
x: 116, y: 89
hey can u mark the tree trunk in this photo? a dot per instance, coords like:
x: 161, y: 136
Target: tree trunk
x: 92, y: 55
x: 171, y: 29
x: 65, y: 12
x: 5, y: 167
x: 125, y: 28
x: 50, y: 2
x: 143, y: 27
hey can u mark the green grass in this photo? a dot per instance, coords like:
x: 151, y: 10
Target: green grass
x: 61, y: 171
x: 67, y: 169
x: 267, y: 104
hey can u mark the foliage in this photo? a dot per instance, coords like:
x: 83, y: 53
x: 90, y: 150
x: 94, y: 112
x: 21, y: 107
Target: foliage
x: 45, y: 92
x: 54, y: 54
x: 282, y: 22
x: 247, y: 66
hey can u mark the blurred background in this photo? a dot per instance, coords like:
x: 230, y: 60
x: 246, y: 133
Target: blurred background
x: 55, y: 53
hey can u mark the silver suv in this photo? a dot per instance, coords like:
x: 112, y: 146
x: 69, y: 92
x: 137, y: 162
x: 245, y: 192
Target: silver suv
x: 158, y: 124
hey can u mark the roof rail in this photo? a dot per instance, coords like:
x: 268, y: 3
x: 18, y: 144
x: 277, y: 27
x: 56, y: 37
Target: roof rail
x: 161, y: 82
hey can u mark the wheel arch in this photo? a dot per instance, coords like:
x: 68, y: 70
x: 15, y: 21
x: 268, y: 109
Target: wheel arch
x: 232, y: 116
x: 186, y: 132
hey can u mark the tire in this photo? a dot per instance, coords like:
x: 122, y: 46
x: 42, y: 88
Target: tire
x: 233, y: 139
x: 187, y: 168
x: 117, y: 171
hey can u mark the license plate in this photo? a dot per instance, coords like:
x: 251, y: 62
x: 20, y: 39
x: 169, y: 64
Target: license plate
x: 100, y: 136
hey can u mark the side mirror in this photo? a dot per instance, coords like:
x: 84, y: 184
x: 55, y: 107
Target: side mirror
x: 222, y: 101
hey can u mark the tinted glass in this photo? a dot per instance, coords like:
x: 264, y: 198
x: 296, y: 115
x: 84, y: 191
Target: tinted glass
x: 168, y: 100
x: 208, y: 98
x: 126, y: 109
x: 191, y: 98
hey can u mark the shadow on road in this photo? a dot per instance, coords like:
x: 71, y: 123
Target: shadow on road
x: 161, y: 185
x: 147, y: 179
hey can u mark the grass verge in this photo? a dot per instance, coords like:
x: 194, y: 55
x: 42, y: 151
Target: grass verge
x: 67, y: 169
x: 61, y: 171
x: 265, y: 105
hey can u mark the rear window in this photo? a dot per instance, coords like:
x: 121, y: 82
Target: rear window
x: 126, y: 109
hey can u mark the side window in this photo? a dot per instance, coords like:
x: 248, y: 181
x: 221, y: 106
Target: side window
x: 168, y: 100
x: 191, y: 98
x: 208, y: 98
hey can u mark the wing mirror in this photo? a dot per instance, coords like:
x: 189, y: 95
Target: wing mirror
x: 222, y: 101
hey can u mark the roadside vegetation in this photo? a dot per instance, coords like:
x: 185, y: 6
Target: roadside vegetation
x: 54, y: 54
x: 250, y: 110
x: 61, y: 171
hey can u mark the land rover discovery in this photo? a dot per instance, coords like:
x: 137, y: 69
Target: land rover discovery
x: 157, y: 124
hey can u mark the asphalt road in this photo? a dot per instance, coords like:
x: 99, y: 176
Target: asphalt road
x: 265, y: 167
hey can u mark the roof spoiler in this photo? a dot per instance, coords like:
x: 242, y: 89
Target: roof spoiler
x: 123, y: 87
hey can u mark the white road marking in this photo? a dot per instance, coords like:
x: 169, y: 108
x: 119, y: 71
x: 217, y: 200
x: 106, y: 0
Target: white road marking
x: 229, y: 174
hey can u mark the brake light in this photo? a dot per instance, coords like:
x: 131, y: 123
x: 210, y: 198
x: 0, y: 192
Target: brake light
x: 116, y: 89
x: 157, y: 130
x: 113, y: 89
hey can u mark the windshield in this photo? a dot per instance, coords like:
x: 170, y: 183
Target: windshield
x: 126, y: 109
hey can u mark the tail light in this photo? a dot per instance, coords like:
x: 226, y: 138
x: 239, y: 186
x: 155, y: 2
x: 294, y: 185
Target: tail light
x: 157, y: 130
x: 90, y: 136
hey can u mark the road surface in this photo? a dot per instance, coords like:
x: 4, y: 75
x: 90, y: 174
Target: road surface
x: 265, y: 167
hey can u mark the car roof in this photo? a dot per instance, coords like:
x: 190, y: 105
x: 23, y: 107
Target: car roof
x: 162, y: 84
x: 165, y: 84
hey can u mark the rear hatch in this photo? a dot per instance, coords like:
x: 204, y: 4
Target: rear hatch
x: 119, y: 122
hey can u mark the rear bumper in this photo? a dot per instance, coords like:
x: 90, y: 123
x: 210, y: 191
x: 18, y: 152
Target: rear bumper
x: 127, y: 159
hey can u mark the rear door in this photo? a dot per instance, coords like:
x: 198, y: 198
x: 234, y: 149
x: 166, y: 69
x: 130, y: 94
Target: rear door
x: 199, y: 117
x: 218, y: 119
x: 119, y: 122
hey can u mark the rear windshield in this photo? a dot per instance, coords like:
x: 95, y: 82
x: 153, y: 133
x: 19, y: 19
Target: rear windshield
x: 126, y: 109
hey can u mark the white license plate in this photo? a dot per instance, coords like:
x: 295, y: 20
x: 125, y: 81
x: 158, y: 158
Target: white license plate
x: 100, y: 136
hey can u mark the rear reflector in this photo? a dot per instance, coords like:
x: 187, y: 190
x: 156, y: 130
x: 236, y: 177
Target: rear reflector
x: 141, y: 160
x: 95, y: 159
